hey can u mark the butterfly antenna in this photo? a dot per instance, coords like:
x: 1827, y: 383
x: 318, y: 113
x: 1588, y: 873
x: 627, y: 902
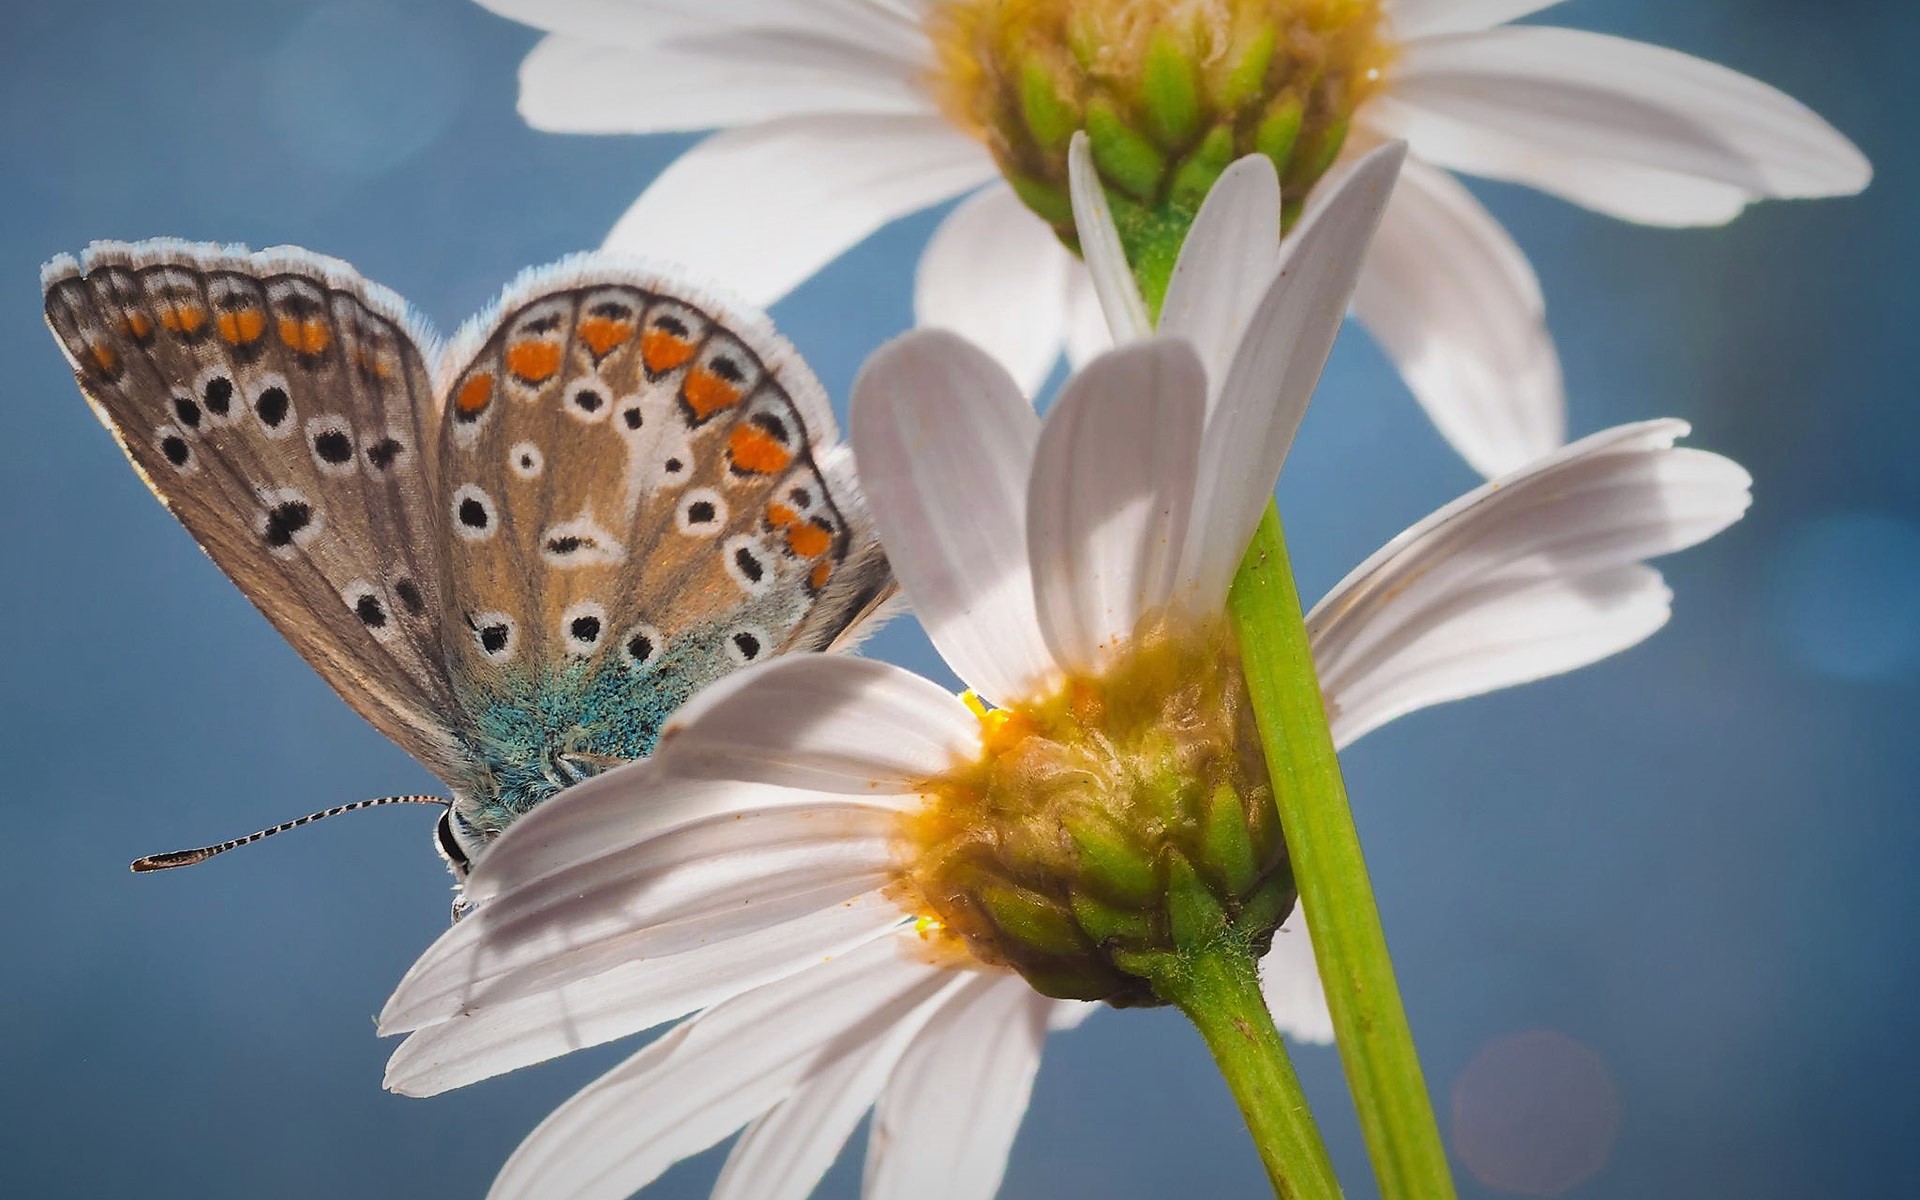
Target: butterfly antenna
x: 186, y: 858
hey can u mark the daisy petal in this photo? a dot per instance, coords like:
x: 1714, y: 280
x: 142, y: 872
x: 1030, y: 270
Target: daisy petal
x: 1112, y: 487
x: 1454, y: 303
x: 585, y: 85
x: 945, y: 443
x: 1527, y: 576
x: 821, y: 721
x: 946, y: 1122
x: 995, y: 274
x: 706, y: 1078
x: 713, y: 881
x: 1227, y: 261
x: 626, y: 999
x: 1429, y: 18
x: 764, y: 206
x: 1290, y: 981
x: 876, y: 25
x: 1113, y: 282
x: 783, y: 1155
x: 1276, y: 368
x: 1521, y: 103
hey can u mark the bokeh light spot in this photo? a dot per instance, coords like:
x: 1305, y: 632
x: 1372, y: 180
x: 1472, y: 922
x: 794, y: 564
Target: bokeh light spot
x: 1844, y: 595
x: 358, y: 88
x: 1535, y: 1114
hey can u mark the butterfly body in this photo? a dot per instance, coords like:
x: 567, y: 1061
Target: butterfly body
x: 516, y: 555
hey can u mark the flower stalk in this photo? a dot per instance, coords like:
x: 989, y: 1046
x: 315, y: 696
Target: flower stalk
x: 1217, y: 986
x: 1369, y: 1019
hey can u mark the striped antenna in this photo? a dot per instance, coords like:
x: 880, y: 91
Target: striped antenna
x: 186, y: 858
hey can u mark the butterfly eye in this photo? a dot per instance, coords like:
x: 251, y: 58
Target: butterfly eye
x: 288, y: 522
x: 174, y: 448
x: 330, y: 439
x: 582, y: 626
x: 747, y: 564
x: 367, y: 605
x: 386, y: 452
x: 273, y: 407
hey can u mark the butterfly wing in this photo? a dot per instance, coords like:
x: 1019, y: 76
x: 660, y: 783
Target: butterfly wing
x: 280, y: 407
x: 644, y: 492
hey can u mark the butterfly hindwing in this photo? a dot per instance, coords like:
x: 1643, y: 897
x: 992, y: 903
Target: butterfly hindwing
x: 644, y: 492
x: 279, y: 406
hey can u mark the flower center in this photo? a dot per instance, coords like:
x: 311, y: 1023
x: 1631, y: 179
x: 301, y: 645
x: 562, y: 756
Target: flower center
x: 1169, y: 91
x: 1096, y: 817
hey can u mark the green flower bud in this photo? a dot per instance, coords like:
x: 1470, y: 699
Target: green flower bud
x: 1169, y: 93
x: 1107, y: 830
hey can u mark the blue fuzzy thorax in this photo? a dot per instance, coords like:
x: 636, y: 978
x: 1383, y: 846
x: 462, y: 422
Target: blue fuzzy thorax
x: 526, y: 725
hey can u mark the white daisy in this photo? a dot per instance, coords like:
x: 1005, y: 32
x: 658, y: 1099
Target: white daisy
x: 841, y: 115
x: 783, y: 863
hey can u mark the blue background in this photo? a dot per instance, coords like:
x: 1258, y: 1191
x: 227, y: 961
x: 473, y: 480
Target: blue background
x: 1693, y: 860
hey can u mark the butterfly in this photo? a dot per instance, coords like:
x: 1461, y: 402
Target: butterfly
x: 517, y: 554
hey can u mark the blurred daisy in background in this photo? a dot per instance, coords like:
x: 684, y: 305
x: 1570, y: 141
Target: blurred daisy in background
x: 838, y: 116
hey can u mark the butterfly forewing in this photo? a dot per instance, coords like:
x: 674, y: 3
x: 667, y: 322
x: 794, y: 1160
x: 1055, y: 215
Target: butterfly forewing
x: 516, y: 559
x: 644, y: 493
x: 279, y: 407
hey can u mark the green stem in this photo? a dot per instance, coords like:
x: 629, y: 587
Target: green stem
x: 1219, y: 991
x: 1376, y: 1045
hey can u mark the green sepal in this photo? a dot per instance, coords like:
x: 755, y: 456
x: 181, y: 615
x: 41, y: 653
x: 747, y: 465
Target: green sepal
x: 1051, y: 118
x: 1031, y: 919
x: 1103, y: 922
x: 1226, y: 848
x: 1170, y: 91
x: 1195, y: 177
x: 1246, y: 79
x: 1126, y: 160
x: 1112, y: 862
x: 1279, y: 130
x: 1314, y: 154
x: 1050, y: 203
x: 1269, y: 905
x: 1195, y: 917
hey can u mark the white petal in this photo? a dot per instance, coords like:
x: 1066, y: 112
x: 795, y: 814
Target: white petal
x: 1113, y: 282
x: 1275, y: 370
x: 571, y: 84
x: 996, y: 274
x: 782, y: 1155
x: 946, y: 1122
x: 877, y: 25
x: 1290, y: 981
x: 1527, y: 576
x: 1112, y: 487
x: 1522, y: 103
x: 707, y: 884
x: 945, y: 443
x: 1412, y: 19
x: 1457, y: 307
x: 1088, y: 336
x: 710, y: 1076
x: 1226, y: 263
x: 626, y: 999
x: 762, y: 207
x: 821, y: 721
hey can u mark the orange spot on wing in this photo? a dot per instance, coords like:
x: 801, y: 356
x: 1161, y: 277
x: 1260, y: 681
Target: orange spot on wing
x: 822, y: 571
x: 779, y: 516
x: 240, y: 327
x: 137, y: 324
x: 474, y: 393
x: 602, y: 334
x: 104, y: 356
x: 662, y: 351
x: 810, y: 540
x: 183, y: 318
x: 306, y: 335
x: 707, y: 393
x: 750, y: 448
x: 535, y: 362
